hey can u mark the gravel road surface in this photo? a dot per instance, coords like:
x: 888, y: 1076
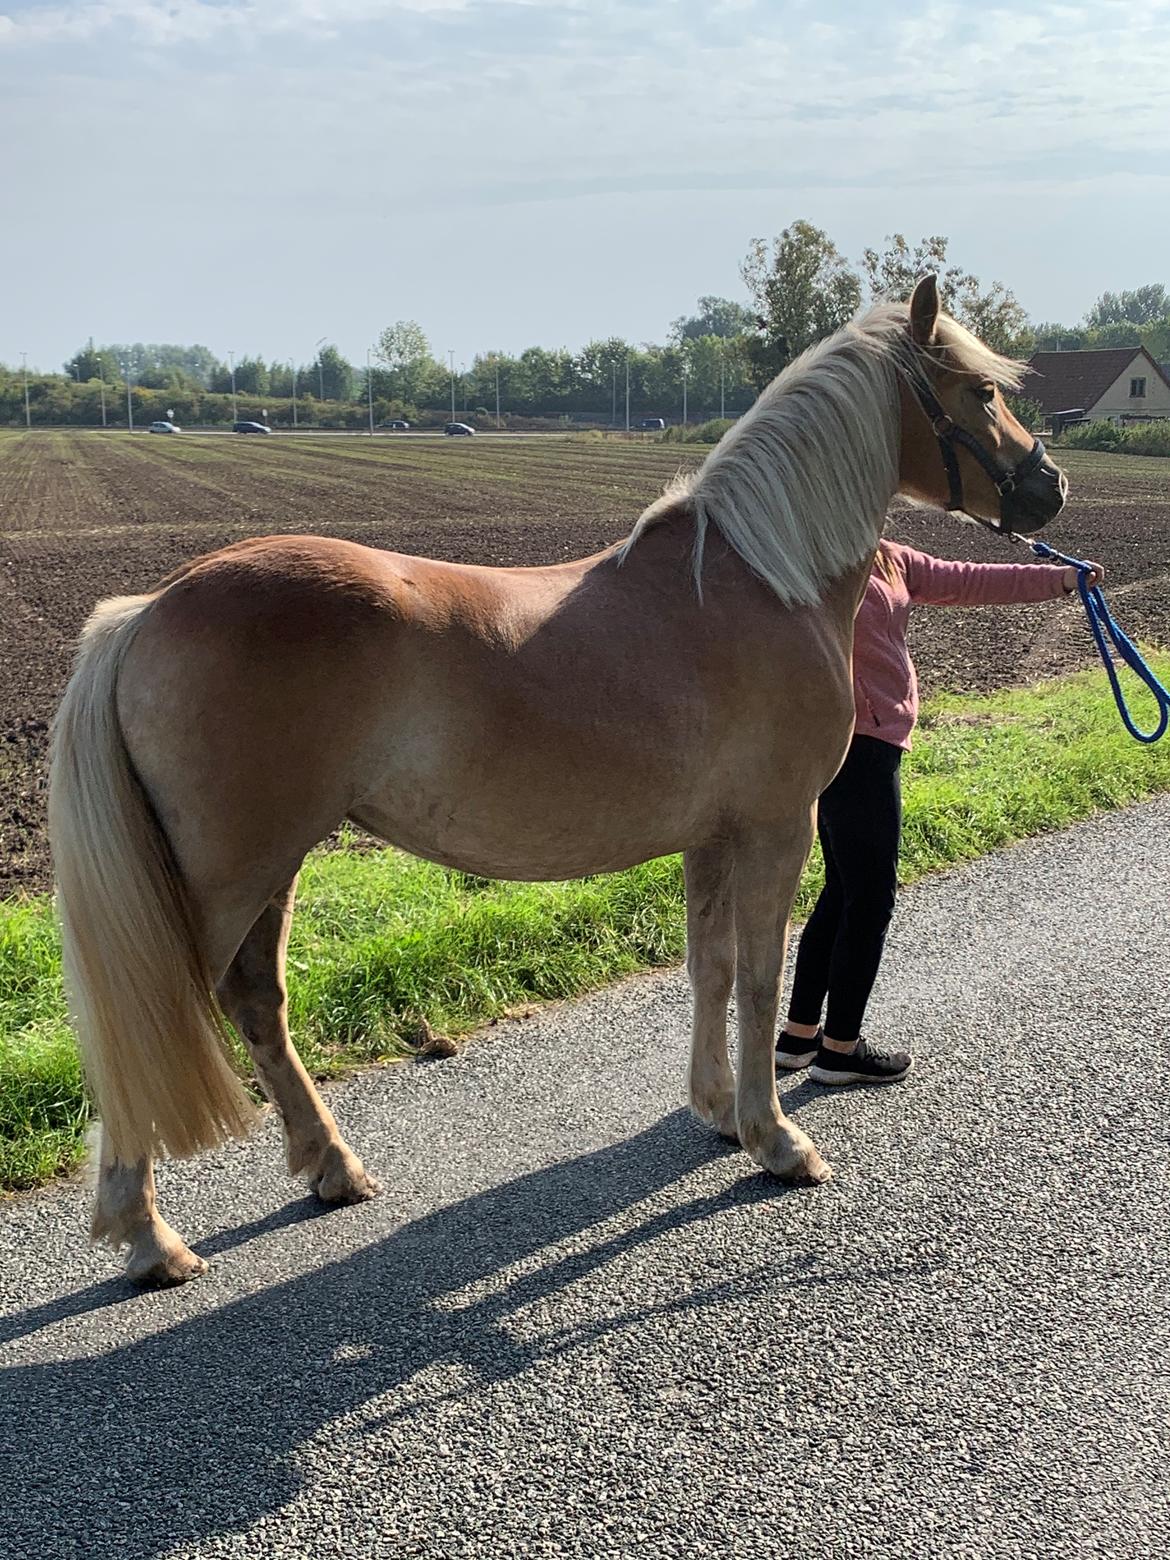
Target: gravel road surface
x: 578, y: 1325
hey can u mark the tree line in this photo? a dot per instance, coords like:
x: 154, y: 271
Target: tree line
x: 800, y: 288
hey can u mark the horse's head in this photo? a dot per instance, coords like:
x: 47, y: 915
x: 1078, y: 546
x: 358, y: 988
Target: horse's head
x: 962, y: 448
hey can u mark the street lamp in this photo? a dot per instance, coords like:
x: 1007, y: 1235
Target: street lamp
x: 293, y: 366
x: 24, y: 371
x: 320, y: 370
x: 232, y: 365
x: 370, y: 391
x: 497, y: 395
x: 627, y: 392
x: 684, y: 377
x: 451, y: 355
x: 102, y: 380
x: 129, y: 402
x: 721, y: 382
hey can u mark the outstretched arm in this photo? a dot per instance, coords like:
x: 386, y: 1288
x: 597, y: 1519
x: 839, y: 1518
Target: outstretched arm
x: 943, y: 582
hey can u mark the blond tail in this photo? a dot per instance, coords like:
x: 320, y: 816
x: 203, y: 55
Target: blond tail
x: 151, y: 1035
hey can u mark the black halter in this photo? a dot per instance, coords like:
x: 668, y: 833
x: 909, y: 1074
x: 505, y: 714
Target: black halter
x: 948, y: 433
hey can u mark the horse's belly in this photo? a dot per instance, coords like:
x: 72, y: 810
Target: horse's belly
x: 528, y: 838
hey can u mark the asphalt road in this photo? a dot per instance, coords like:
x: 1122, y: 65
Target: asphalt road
x: 577, y: 1325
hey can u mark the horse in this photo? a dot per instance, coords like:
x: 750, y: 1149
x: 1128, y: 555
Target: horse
x: 689, y: 689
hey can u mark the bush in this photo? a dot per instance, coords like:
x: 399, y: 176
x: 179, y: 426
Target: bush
x: 1099, y: 435
x: 706, y: 433
x: 1152, y: 438
x: 1026, y: 410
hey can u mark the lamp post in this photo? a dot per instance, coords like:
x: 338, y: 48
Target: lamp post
x: 102, y: 381
x: 232, y: 366
x: 613, y: 400
x: 320, y: 371
x: 684, y: 377
x: 24, y: 371
x: 293, y: 366
x: 721, y: 382
x: 370, y: 391
x: 497, y: 394
x: 451, y: 355
x: 129, y: 402
x: 627, y: 393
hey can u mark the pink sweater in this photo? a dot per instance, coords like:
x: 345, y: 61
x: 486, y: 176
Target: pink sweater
x: 885, y: 685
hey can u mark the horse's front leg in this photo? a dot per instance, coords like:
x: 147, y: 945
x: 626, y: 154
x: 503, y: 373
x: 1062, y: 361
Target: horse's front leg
x: 768, y: 866
x: 711, y: 967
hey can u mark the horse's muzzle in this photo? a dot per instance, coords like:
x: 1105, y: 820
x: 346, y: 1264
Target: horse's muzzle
x: 1036, y: 500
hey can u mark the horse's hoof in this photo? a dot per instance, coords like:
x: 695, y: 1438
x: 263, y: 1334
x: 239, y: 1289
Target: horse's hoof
x: 808, y: 1170
x: 342, y: 1178
x: 792, y: 1158
x: 163, y: 1265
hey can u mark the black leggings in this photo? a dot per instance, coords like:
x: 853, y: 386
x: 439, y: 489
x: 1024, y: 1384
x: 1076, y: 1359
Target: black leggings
x: 860, y: 823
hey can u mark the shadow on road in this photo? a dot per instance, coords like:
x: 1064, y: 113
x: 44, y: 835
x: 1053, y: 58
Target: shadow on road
x: 191, y: 1432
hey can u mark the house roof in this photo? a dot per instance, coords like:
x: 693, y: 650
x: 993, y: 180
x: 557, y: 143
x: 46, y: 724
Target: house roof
x: 1063, y: 380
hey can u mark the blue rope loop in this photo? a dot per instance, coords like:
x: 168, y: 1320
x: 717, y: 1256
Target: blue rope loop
x: 1101, y: 622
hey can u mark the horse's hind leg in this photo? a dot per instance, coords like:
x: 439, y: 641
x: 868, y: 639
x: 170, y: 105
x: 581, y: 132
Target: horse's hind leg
x: 125, y: 1214
x: 711, y: 967
x: 253, y: 996
x: 768, y: 865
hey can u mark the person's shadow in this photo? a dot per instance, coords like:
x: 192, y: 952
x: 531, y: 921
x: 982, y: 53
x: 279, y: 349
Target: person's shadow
x: 191, y: 1432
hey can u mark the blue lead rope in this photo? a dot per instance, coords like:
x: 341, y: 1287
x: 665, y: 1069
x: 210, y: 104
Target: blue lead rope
x: 1101, y: 622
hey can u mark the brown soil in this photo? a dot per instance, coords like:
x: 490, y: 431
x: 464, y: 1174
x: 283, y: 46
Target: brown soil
x: 86, y: 515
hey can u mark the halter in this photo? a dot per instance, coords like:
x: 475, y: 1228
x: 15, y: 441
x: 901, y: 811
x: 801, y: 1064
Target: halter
x: 948, y: 433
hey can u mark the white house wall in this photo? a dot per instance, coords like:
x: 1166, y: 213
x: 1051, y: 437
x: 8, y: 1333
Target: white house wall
x: 1117, y: 400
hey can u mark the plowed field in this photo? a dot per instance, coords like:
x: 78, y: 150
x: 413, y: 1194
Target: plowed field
x: 85, y: 515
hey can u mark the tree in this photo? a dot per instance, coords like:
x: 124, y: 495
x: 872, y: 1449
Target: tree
x: 333, y: 375
x: 993, y: 313
x: 163, y: 365
x: 93, y: 363
x: 802, y: 289
x: 716, y: 317
x: 403, y: 349
x: 1149, y: 305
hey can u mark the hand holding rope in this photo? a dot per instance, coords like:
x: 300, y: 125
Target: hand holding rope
x: 1101, y: 623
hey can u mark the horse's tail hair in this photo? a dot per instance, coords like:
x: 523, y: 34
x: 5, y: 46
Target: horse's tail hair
x: 151, y: 1035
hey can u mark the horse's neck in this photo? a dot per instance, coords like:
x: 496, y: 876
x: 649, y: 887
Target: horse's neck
x: 666, y: 552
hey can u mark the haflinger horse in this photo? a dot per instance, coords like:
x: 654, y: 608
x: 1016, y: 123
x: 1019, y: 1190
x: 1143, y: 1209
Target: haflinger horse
x: 689, y: 689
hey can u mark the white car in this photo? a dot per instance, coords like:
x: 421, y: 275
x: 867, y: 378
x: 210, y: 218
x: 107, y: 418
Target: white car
x: 164, y: 427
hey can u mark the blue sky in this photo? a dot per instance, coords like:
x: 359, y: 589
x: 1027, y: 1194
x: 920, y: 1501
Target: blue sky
x: 256, y: 174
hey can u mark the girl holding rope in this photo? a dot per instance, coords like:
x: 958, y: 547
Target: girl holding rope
x: 860, y: 814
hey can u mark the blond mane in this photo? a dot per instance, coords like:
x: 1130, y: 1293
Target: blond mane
x: 799, y: 486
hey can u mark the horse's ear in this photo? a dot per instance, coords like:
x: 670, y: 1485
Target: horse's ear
x: 924, y: 307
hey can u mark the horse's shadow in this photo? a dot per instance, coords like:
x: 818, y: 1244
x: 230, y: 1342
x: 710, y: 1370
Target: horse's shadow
x: 190, y: 1432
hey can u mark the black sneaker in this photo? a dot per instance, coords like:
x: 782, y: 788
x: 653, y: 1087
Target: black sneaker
x: 793, y: 1053
x: 864, y: 1064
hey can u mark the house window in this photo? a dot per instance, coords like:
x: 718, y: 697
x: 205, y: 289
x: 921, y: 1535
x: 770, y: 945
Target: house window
x: 1137, y: 389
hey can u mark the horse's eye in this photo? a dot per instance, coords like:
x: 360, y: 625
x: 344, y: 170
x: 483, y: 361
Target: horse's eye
x: 986, y: 394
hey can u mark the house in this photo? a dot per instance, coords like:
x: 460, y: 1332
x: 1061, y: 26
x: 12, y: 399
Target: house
x: 1111, y: 382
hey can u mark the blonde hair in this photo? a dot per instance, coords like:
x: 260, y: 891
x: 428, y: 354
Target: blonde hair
x: 799, y: 485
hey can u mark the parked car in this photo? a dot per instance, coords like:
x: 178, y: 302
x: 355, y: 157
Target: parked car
x: 656, y: 424
x: 457, y: 429
x: 164, y: 427
x: 250, y: 427
x: 396, y: 425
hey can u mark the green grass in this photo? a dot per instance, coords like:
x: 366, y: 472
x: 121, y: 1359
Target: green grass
x: 384, y: 944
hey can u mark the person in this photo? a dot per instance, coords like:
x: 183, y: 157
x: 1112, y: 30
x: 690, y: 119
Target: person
x: 860, y: 814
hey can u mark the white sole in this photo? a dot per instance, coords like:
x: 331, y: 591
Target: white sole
x: 789, y: 1063
x: 824, y: 1075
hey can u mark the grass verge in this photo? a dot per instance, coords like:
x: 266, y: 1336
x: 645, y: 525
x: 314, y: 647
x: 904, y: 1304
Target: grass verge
x: 383, y: 943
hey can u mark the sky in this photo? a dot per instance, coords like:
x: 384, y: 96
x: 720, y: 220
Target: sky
x: 254, y: 175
